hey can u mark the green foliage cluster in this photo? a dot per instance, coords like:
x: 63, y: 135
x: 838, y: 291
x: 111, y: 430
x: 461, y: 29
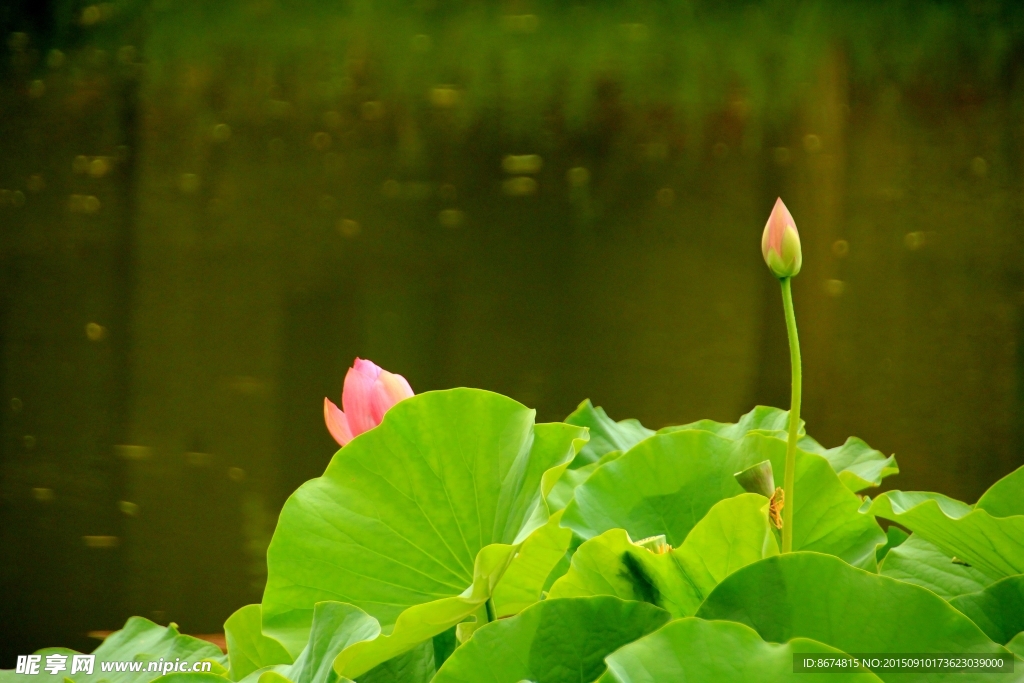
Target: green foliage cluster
x: 461, y: 541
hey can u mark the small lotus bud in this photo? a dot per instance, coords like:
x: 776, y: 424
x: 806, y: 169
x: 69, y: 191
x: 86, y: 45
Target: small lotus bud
x: 780, y: 243
x: 368, y: 393
x: 655, y: 544
x: 758, y: 479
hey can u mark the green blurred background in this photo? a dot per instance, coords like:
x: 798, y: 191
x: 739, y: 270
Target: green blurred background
x: 208, y: 209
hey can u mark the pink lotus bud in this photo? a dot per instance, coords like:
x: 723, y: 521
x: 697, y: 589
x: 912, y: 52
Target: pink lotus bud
x: 368, y: 393
x: 780, y: 243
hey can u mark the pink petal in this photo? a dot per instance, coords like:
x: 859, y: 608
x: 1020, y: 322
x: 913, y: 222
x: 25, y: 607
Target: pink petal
x: 357, y: 396
x: 337, y: 423
x: 367, y: 368
x: 388, y: 390
x: 778, y: 221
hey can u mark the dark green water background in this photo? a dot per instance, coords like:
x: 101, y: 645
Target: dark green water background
x: 208, y: 209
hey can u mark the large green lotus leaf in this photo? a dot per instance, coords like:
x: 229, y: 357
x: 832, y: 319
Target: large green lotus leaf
x: 921, y: 563
x: 809, y: 595
x: 662, y: 486
x: 761, y: 418
x: 11, y: 675
x: 1016, y: 645
x: 998, y: 609
x: 699, y: 651
x: 415, y: 666
x: 523, y: 581
x: 565, y: 488
x: 1005, y: 498
x: 336, y: 626
x: 191, y: 678
x: 248, y: 648
x: 606, y: 434
x: 421, y: 513
x: 599, y: 567
x: 666, y: 484
x: 858, y: 465
x: 895, y: 537
x: 734, y: 533
x: 993, y: 545
x: 827, y: 517
x: 554, y: 641
x: 139, y: 641
x: 424, y: 621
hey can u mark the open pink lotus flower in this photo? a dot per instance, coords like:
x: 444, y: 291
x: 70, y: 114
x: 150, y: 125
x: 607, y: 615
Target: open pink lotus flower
x: 368, y: 393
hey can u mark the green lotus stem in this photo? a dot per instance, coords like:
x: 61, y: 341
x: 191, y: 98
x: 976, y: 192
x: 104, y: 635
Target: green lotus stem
x: 490, y: 610
x: 794, y: 415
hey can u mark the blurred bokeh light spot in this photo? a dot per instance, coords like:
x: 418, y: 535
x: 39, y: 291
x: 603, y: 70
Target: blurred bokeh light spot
x: 914, y: 240
x: 236, y: 474
x: 348, y: 227
x: 35, y: 183
x: 221, y: 132
x: 522, y: 163
x: 128, y: 508
x: 16, y: 405
x: 835, y: 287
x: 332, y: 119
x: 279, y: 109
x: 101, y: 541
x: 99, y: 167
x: 578, y: 176
x: 36, y: 88
x: 196, y: 459
x: 782, y: 155
x: 450, y: 218
x: 90, y: 15
x: 77, y: 203
x: 43, y: 494
x: 29, y: 442
x: 521, y: 186
x: 840, y: 248
x: 55, y: 59
x: 321, y: 141
x: 373, y: 110
x: 444, y: 97
x: 812, y: 143
x: 80, y: 164
x: 979, y: 167
x: 18, y: 41
x: 188, y: 183
x: 391, y: 188
x: 132, y: 452
x: 17, y: 199
x: 95, y: 332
